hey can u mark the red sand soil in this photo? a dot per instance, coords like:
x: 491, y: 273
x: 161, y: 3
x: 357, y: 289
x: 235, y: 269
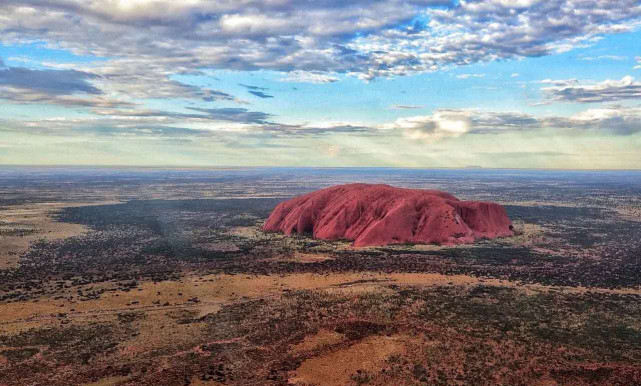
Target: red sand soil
x: 381, y: 214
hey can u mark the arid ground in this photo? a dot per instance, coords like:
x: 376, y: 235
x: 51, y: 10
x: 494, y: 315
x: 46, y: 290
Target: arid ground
x: 163, y: 277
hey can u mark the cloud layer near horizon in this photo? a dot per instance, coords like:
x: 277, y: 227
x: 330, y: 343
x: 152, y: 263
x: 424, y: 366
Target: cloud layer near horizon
x: 141, y: 51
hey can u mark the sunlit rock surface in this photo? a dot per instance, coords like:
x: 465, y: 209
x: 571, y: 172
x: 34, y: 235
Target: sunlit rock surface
x: 381, y: 214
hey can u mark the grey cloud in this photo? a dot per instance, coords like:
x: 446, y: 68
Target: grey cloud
x: 22, y: 96
x: 257, y: 126
x: 617, y: 120
x: 260, y: 94
x: 312, y: 130
x: 405, y: 107
x: 144, y: 131
x: 106, y: 128
x: 161, y: 124
x: 477, y: 31
x: 141, y: 79
x: 443, y: 124
x: 454, y: 123
x: 323, y: 37
x: 51, y: 82
x: 525, y: 154
x: 70, y: 88
x: 491, y: 122
x: 256, y: 88
x: 237, y: 115
x: 212, y: 95
x: 572, y: 90
x: 256, y: 141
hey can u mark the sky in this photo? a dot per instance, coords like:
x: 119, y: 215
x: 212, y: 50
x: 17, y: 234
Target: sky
x: 324, y: 83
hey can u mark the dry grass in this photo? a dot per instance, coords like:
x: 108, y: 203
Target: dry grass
x: 304, y: 258
x: 215, y: 290
x: 161, y: 331
x: 171, y: 333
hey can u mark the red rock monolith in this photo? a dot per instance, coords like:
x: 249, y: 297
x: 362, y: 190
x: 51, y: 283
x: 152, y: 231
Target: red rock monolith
x: 381, y: 214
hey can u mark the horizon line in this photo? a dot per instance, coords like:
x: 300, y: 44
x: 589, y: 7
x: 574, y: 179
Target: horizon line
x: 117, y: 166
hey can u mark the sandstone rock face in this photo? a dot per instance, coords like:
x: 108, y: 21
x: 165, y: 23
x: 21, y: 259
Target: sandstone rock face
x: 381, y: 214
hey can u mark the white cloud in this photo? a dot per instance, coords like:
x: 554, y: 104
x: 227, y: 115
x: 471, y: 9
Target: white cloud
x: 603, y: 57
x: 493, y: 29
x: 361, y: 37
x: 467, y: 76
x: 405, y: 107
x: 308, y: 77
x: 442, y: 124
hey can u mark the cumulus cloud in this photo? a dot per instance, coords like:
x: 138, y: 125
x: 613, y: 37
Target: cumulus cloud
x: 318, y: 38
x: 572, y: 90
x: 617, y: 120
x: 239, y: 127
x: 638, y: 66
x: 455, y: 123
x: 142, y: 47
x: 444, y: 124
x: 478, y: 31
x: 441, y: 124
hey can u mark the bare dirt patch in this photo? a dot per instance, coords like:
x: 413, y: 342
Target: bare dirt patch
x: 111, y: 381
x: 318, y: 341
x: 340, y: 366
x: 21, y: 225
x: 629, y: 212
x: 247, y: 232
x: 526, y: 234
